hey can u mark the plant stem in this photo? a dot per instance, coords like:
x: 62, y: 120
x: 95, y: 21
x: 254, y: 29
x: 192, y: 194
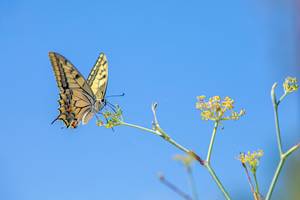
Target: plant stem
x: 256, y: 183
x: 281, y: 98
x: 278, y: 134
x: 212, y: 140
x: 170, y: 140
x: 218, y: 182
x: 275, y: 108
x: 192, y: 182
x: 174, y: 188
x: 182, y: 148
x: 207, y: 163
x: 173, y: 142
x: 291, y: 150
x: 140, y: 127
x: 249, y: 178
x: 283, y: 157
x: 275, y: 177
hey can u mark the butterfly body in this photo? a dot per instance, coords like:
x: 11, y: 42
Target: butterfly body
x: 79, y: 99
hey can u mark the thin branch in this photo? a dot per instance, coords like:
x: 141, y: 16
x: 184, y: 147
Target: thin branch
x: 192, y: 182
x: 291, y: 150
x: 256, y: 184
x: 212, y: 141
x: 218, y: 182
x: 275, y: 107
x: 160, y: 132
x: 207, y: 162
x: 275, y: 177
x: 172, y: 187
x: 283, y: 156
x: 249, y: 178
x: 140, y: 127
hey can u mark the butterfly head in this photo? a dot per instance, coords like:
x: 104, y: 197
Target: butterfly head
x: 101, y: 103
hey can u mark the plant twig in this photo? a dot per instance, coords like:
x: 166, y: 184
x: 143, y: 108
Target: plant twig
x: 249, y: 178
x: 157, y: 130
x: 212, y: 141
x: 283, y: 156
x: 192, y: 182
x: 278, y: 169
x: 207, y: 162
x: 275, y: 107
x: 175, y: 189
x: 218, y: 182
x: 173, y: 142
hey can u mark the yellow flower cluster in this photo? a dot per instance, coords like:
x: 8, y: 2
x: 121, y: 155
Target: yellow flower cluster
x: 290, y: 85
x: 215, y: 108
x: 186, y: 160
x: 251, y: 159
x: 112, y: 119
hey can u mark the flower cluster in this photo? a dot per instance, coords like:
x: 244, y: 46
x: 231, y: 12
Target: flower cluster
x: 112, y: 119
x: 216, y: 109
x: 251, y: 159
x: 290, y: 85
x: 186, y: 160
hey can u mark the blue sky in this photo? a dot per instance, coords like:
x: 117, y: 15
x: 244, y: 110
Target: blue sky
x: 165, y: 51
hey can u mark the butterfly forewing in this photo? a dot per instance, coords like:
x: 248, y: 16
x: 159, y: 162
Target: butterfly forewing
x: 98, y: 77
x: 77, y: 100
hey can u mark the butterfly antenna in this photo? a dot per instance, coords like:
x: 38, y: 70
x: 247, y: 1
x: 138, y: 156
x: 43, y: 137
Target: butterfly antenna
x: 116, y: 95
x: 111, y: 106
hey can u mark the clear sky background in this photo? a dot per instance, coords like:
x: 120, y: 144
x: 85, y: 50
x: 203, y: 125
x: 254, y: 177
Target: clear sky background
x: 165, y: 51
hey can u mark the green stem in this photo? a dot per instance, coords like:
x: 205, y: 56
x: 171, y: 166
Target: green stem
x: 207, y: 163
x: 278, y: 134
x: 281, y: 98
x: 182, y: 148
x: 275, y: 177
x: 275, y: 107
x: 192, y: 182
x: 279, y: 167
x: 283, y: 156
x: 140, y: 127
x: 256, y: 183
x: 291, y: 150
x: 170, y: 140
x: 212, y: 140
x: 218, y: 182
x: 173, y: 142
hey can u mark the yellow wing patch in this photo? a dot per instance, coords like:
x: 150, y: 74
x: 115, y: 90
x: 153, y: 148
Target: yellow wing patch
x: 77, y: 100
x: 98, y: 77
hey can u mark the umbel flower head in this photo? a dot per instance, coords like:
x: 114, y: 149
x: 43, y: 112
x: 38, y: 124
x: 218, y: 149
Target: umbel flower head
x: 217, y: 109
x: 290, y: 85
x: 111, y: 119
x: 251, y: 160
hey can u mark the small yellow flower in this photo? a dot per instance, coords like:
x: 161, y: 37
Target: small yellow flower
x: 290, y: 85
x: 111, y: 119
x: 228, y: 103
x: 100, y: 123
x: 216, y: 109
x: 186, y: 160
x: 202, y: 97
x: 251, y: 159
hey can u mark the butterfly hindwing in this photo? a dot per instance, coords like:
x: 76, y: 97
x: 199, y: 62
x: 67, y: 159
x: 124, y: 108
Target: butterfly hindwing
x: 77, y: 100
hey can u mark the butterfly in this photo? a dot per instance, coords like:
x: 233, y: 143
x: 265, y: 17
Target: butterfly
x: 80, y: 99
